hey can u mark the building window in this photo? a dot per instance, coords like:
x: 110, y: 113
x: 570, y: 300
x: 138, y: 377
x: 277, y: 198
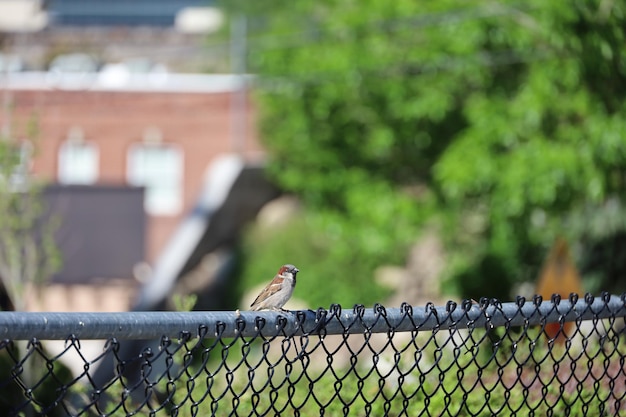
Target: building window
x: 158, y: 167
x: 78, y: 160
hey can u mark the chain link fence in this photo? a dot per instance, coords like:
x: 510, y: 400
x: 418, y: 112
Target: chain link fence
x: 528, y: 357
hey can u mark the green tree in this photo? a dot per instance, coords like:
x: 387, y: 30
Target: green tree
x: 502, y: 122
x: 28, y: 254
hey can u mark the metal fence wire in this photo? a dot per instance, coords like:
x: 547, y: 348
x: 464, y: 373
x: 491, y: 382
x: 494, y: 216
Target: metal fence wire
x: 528, y: 357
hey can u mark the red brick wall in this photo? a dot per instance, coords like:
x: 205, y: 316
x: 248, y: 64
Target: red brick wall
x: 200, y: 123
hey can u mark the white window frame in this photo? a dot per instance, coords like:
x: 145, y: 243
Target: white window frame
x: 159, y: 167
x: 78, y: 160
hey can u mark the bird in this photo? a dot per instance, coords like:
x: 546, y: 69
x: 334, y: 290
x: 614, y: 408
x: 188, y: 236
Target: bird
x: 278, y: 291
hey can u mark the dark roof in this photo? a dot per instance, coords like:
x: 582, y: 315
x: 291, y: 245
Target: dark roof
x: 101, y: 230
x: 118, y: 12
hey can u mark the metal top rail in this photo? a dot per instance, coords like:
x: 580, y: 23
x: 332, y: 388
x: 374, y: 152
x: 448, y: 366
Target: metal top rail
x: 151, y: 325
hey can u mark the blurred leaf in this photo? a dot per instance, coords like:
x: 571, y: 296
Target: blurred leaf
x: 512, y: 110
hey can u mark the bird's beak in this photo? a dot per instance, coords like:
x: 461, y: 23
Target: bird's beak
x: 296, y: 270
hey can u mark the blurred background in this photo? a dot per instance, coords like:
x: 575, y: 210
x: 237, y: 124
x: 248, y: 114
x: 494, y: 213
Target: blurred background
x: 172, y: 154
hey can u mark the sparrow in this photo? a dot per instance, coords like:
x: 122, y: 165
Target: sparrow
x: 277, y: 292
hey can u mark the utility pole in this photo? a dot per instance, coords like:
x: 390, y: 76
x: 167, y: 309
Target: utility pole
x: 239, y: 96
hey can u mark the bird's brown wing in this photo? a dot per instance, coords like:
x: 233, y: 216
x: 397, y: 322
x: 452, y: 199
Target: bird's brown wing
x: 271, y: 289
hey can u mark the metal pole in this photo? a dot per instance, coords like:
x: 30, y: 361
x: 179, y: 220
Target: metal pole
x: 239, y: 95
x: 153, y: 325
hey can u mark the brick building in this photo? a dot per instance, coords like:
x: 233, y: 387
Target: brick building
x: 153, y: 134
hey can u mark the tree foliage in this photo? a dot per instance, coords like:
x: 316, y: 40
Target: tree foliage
x: 28, y: 253
x: 502, y: 122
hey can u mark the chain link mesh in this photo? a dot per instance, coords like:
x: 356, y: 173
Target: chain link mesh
x: 486, y: 364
